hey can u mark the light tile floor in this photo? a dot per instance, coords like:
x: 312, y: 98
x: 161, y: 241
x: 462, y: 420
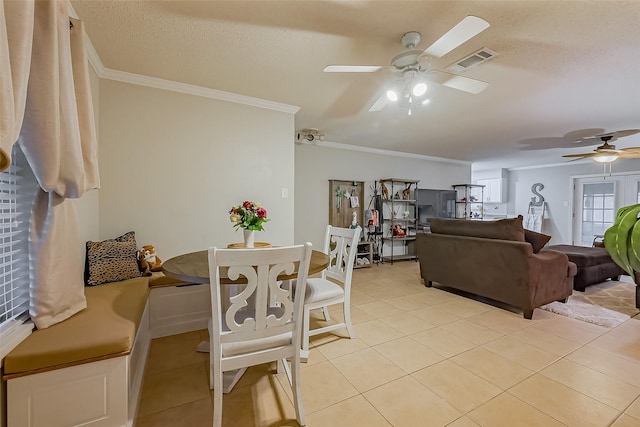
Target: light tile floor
x: 423, y: 357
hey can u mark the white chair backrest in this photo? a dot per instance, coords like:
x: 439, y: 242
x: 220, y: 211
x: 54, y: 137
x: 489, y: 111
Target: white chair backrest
x: 341, y: 244
x: 250, y: 314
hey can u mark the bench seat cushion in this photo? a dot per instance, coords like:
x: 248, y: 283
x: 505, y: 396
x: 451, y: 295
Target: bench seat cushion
x: 106, y: 328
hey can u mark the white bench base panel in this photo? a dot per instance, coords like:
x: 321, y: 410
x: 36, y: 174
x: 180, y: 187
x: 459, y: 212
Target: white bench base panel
x: 98, y: 394
x: 179, y: 309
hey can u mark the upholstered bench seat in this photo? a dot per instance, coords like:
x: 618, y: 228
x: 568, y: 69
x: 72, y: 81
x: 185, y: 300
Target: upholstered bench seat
x: 594, y: 265
x: 105, y: 329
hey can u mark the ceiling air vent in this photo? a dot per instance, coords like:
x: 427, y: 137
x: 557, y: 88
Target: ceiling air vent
x: 472, y: 60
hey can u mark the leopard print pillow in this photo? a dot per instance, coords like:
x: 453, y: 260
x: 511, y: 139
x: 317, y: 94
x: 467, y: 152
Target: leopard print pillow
x: 112, y: 260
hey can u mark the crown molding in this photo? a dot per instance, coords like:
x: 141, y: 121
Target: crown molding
x: 550, y: 165
x: 383, y: 152
x: 173, y: 86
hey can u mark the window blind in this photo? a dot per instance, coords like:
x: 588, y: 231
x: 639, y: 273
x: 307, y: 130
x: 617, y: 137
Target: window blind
x: 17, y: 190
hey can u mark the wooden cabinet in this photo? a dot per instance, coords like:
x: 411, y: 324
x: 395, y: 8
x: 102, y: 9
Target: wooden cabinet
x: 399, y: 218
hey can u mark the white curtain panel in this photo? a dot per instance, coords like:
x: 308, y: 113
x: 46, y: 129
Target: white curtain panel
x: 57, y: 278
x: 59, y: 140
x: 16, y: 35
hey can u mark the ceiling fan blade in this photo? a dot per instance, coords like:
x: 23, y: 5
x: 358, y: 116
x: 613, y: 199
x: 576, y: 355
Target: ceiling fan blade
x: 351, y: 68
x: 629, y: 154
x: 454, y: 81
x: 583, y: 155
x: 380, y: 103
x: 466, y: 29
x: 576, y: 159
x: 614, y: 135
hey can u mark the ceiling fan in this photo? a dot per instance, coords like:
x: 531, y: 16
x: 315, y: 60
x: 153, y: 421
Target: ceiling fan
x: 607, y: 153
x: 413, y: 65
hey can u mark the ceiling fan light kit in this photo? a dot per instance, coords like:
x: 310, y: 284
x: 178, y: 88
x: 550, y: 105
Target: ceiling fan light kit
x: 414, y: 65
x: 605, y: 158
x: 419, y: 89
x: 392, y: 95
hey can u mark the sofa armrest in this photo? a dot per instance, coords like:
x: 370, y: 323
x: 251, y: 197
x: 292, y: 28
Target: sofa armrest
x: 551, y: 276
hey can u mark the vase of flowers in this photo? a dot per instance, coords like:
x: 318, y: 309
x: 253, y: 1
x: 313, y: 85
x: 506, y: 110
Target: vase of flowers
x: 249, y: 216
x: 249, y: 238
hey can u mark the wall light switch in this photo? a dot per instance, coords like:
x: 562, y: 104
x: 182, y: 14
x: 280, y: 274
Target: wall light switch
x: 565, y: 204
x: 285, y: 193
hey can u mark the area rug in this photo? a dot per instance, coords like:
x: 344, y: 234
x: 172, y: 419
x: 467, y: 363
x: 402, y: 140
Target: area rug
x: 587, y: 313
x: 617, y: 296
x: 606, y: 304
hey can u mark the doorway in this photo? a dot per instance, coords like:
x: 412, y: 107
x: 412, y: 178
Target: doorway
x: 596, y: 202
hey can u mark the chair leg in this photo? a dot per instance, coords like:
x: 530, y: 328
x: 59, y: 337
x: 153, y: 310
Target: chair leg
x: 211, y: 353
x: 325, y: 311
x: 297, y: 389
x: 217, y: 399
x: 305, y: 329
x: 347, y: 320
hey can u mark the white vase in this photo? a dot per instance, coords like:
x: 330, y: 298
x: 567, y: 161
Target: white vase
x: 249, y: 238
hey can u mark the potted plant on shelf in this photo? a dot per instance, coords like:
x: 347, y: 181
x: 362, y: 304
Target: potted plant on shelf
x: 622, y: 241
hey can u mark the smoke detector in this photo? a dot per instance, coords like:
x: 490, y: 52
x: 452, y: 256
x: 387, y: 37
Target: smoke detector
x: 476, y: 58
x: 309, y: 136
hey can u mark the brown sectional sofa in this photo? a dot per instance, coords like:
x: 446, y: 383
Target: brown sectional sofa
x: 493, y: 260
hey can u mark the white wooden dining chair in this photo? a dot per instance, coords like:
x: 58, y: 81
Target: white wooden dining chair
x: 248, y: 329
x: 334, y: 287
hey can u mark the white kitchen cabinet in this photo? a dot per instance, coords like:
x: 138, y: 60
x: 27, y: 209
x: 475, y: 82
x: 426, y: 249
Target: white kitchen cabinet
x: 494, y: 190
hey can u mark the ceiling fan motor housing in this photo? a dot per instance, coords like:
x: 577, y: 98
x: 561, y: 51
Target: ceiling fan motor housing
x: 410, y: 39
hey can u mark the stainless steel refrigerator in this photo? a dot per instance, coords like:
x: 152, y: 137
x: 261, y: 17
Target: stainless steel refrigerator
x: 434, y: 204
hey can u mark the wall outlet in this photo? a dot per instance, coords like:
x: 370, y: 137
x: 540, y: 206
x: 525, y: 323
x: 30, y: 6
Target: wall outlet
x: 285, y: 193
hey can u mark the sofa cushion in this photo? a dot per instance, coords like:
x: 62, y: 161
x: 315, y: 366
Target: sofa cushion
x: 503, y: 229
x: 112, y: 260
x: 537, y: 240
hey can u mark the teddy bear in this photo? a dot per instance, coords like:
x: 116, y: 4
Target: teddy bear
x: 143, y: 265
x: 148, y: 253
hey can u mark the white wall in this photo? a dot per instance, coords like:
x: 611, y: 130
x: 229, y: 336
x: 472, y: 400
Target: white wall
x: 317, y: 164
x: 557, y: 192
x: 172, y: 165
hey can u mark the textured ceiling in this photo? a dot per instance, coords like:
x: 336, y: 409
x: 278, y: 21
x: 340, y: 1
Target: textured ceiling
x: 565, y: 68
